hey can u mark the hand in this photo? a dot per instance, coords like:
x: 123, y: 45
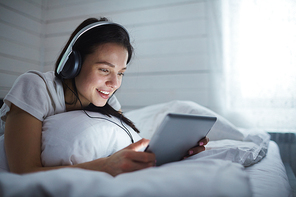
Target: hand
x: 129, y: 159
x: 197, y: 149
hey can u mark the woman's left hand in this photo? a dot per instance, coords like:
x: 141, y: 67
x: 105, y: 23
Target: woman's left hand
x: 198, y: 148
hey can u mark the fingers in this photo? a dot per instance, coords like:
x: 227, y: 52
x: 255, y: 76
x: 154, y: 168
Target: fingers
x: 196, y: 150
x: 133, y: 165
x: 203, y: 141
x: 139, y: 144
x: 141, y: 157
x: 132, y: 161
x: 199, y: 148
x: 129, y: 159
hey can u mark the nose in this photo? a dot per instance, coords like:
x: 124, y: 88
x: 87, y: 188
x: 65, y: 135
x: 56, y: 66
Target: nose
x: 113, y: 81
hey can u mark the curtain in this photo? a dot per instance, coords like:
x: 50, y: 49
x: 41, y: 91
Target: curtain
x: 259, y: 63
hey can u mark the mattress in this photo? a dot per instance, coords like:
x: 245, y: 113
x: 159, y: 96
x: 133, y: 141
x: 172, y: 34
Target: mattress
x: 268, y: 177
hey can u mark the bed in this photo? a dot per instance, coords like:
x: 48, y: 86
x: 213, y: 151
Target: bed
x: 237, y: 162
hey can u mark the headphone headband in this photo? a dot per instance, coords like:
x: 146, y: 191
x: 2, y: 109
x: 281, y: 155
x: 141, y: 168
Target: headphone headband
x: 69, y: 50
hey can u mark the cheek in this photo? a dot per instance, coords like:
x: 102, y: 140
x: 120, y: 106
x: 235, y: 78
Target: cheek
x: 120, y: 84
x: 83, y: 83
x: 90, y: 82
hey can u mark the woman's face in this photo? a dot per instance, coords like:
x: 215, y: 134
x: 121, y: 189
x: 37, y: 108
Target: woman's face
x: 101, y: 74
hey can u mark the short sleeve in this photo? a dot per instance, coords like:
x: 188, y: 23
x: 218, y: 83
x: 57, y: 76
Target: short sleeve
x: 113, y: 102
x: 30, y: 93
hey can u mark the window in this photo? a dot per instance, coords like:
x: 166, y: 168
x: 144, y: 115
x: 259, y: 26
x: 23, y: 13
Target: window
x: 260, y: 63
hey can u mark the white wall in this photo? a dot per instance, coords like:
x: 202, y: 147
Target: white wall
x: 171, y: 40
x: 21, y: 24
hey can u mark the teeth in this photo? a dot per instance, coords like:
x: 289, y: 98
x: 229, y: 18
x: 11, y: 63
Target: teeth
x: 104, y: 92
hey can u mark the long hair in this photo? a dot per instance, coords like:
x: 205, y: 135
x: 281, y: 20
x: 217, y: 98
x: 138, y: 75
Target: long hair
x: 85, y: 45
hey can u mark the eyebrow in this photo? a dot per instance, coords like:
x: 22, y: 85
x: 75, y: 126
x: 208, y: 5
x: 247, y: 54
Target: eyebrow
x: 109, y: 64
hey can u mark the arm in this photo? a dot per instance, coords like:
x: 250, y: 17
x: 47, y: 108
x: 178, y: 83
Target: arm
x: 23, y: 149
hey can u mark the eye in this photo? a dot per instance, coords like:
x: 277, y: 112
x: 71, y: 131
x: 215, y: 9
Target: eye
x: 104, y: 70
x: 121, y: 74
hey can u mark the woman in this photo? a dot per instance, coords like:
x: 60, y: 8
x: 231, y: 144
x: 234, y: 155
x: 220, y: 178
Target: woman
x: 104, y: 51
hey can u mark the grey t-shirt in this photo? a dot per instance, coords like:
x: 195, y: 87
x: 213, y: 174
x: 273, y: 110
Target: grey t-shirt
x: 39, y: 94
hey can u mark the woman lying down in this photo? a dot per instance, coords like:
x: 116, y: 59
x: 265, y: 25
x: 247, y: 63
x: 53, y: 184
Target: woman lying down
x: 88, y: 72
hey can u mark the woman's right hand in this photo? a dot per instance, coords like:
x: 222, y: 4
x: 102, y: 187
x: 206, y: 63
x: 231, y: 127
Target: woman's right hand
x: 129, y: 159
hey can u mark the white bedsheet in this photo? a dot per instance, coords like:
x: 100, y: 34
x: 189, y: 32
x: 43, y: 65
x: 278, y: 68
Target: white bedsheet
x: 193, y: 177
x: 268, y: 177
x: 236, y: 163
x: 187, y: 178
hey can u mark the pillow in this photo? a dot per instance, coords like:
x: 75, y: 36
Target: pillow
x: 147, y: 119
x: 73, y: 137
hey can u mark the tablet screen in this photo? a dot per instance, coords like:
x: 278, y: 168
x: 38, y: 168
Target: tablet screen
x: 177, y: 134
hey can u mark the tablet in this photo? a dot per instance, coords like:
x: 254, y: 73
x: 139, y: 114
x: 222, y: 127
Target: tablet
x: 177, y: 134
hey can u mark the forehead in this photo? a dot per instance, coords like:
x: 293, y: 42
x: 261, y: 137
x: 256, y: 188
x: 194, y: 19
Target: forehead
x: 110, y: 47
x: 110, y: 53
x: 110, y: 50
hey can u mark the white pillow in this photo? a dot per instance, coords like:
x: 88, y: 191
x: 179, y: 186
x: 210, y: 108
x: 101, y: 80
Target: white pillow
x: 147, y: 119
x: 72, y: 137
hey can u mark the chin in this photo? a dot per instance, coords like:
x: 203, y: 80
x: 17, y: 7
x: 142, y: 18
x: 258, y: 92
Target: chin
x: 99, y: 104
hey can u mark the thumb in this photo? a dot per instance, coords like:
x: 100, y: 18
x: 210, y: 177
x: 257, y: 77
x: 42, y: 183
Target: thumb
x: 139, y: 144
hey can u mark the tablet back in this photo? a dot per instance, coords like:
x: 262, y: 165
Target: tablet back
x: 177, y: 134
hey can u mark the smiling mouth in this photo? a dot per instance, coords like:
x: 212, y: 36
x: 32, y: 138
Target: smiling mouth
x: 104, y: 92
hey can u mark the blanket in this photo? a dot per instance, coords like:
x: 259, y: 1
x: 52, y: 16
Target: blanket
x: 186, y: 178
x: 73, y: 137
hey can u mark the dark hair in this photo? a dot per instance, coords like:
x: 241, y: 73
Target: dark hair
x: 86, y: 44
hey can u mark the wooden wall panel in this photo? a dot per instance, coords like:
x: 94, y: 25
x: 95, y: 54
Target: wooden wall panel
x: 20, y: 50
x: 26, y: 8
x: 20, y: 20
x: 6, y: 82
x: 170, y: 38
x: 166, y: 81
x: 185, y: 63
x: 21, y: 26
x: 142, y: 90
x: 67, y: 10
x: 16, y: 35
x: 12, y: 64
x: 138, y: 99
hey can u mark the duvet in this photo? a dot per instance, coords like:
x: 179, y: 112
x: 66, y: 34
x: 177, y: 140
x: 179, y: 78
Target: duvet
x: 221, y: 170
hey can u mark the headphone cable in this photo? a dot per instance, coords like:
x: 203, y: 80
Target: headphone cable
x: 123, y: 127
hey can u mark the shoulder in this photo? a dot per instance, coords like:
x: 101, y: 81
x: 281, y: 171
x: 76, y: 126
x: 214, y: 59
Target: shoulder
x: 36, y: 76
x: 35, y: 93
x: 32, y: 83
x: 39, y: 83
x: 30, y: 80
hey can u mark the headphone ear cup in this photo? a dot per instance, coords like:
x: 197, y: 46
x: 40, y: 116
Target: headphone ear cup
x: 72, y: 66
